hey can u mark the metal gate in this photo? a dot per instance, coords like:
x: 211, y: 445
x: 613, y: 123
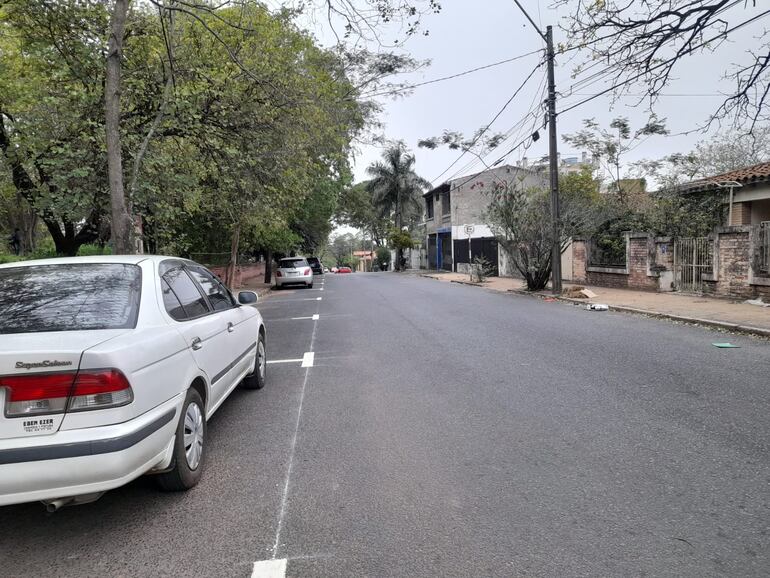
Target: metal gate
x: 693, y: 258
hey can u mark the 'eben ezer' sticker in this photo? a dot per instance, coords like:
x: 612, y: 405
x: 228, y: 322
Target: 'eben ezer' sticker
x: 38, y: 425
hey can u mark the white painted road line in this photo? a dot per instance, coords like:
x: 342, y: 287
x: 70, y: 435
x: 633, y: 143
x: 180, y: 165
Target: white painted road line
x: 318, y: 298
x: 269, y: 569
x: 307, y: 360
x: 286, y: 360
x: 316, y: 317
x: 289, y: 300
x: 292, y: 450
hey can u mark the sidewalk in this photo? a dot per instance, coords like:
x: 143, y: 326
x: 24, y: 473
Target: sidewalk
x: 729, y: 315
x: 261, y: 289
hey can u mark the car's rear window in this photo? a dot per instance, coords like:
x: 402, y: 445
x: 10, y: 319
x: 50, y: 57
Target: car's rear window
x: 293, y: 263
x: 313, y: 260
x: 69, y: 297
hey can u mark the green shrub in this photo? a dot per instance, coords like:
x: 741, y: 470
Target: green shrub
x: 383, y: 258
x: 349, y: 261
x: 45, y: 249
x: 88, y: 250
x: 10, y: 258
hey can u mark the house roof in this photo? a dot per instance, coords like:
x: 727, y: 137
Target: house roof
x: 759, y: 173
x: 442, y: 188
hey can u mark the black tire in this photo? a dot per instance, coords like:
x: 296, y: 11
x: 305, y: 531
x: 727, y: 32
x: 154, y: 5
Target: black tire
x: 310, y: 286
x: 256, y: 380
x: 181, y: 476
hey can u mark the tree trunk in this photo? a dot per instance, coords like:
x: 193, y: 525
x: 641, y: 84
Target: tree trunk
x: 122, y: 224
x: 234, y: 242
x: 268, y: 266
x: 399, y: 250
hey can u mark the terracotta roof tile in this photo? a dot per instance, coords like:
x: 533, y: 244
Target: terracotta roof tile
x: 754, y: 173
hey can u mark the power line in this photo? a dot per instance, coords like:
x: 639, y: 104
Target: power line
x: 666, y: 62
x: 517, y: 128
x: 450, y: 77
x: 531, y: 21
x: 486, y: 128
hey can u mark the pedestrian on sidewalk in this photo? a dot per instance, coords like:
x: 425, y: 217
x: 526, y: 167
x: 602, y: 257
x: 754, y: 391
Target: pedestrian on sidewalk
x: 14, y: 241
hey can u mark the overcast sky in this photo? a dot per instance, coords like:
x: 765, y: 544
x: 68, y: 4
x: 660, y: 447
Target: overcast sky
x: 466, y: 35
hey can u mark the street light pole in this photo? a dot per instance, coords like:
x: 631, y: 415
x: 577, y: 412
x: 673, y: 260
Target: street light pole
x: 554, y: 168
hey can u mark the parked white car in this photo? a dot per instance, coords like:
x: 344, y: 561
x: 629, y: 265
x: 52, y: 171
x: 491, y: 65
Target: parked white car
x: 294, y: 271
x: 110, y: 368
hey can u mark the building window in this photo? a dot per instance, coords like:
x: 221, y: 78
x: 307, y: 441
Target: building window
x: 445, y: 204
x: 429, y: 207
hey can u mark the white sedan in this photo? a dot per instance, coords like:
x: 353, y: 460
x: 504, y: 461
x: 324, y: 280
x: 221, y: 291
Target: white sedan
x: 110, y: 368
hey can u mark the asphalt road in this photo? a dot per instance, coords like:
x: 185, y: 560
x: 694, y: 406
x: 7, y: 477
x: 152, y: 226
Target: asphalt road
x: 444, y: 430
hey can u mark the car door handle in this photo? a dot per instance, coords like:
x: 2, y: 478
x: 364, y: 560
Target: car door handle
x: 230, y: 327
x: 196, y: 343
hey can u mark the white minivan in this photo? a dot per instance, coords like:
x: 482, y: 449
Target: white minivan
x: 110, y: 367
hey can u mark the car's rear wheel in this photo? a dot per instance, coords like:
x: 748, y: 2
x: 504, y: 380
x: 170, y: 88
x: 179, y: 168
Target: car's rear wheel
x: 189, y: 446
x: 310, y: 286
x: 256, y: 380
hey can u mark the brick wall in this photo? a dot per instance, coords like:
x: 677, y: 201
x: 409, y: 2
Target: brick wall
x: 245, y: 275
x: 642, y: 251
x: 639, y: 261
x: 602, y: 279
x: 578, y: 260
x: 733, y: 259
x: 650, y: 265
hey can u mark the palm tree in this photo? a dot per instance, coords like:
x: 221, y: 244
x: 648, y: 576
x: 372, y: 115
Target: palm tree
x: 396, y: 188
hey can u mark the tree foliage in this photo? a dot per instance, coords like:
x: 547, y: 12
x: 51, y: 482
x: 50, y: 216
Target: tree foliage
x: 356, y: 208
x: 520, y: 219
x: 396, y: 189
x: 234, y: 124
x: 609, y: 146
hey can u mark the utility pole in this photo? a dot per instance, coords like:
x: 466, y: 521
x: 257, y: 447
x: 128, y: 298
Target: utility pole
x: 554, y: 162
x: 552, y: 154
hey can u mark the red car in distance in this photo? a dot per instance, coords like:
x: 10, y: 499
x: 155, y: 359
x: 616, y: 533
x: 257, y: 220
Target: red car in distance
x: 344, y: 270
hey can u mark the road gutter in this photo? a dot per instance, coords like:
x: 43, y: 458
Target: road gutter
x: 724, y: 325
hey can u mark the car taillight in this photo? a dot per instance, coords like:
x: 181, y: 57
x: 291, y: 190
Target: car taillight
x: 66, y: 391
x: 37, y: 394
x: 308, y: 271
x: 278, y: 274
x: 100, y: 389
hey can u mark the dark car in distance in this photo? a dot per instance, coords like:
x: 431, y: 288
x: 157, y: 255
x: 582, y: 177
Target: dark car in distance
x: 315, y: 265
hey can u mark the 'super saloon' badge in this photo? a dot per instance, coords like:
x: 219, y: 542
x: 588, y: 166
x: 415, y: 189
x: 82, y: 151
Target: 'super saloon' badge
x: 44, y: 363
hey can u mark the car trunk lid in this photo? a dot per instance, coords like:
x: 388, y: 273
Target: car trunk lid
x: 36, y: 368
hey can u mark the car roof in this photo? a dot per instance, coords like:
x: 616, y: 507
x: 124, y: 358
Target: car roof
x: 293, y: 258
x: 123, y: 259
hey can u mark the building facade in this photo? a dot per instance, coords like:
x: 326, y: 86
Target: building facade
x: 456, y: 229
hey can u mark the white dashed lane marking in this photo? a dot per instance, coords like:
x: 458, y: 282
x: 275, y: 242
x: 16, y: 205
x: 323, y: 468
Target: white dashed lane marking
x: 269, y: 569
x: 285, y: 360
x: 307, y: 360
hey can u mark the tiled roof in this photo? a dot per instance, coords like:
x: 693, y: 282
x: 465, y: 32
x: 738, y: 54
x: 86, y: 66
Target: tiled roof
x: 746, y: 175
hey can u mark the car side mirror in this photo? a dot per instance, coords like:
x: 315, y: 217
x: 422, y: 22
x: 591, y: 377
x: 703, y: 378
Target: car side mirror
x: 247, y: 297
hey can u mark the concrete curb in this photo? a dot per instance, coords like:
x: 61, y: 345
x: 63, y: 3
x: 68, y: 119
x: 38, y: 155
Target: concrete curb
x: 735, y: 327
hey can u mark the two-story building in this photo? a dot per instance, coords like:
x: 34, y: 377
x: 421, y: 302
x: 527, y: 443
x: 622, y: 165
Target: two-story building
x: 454, y: 218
